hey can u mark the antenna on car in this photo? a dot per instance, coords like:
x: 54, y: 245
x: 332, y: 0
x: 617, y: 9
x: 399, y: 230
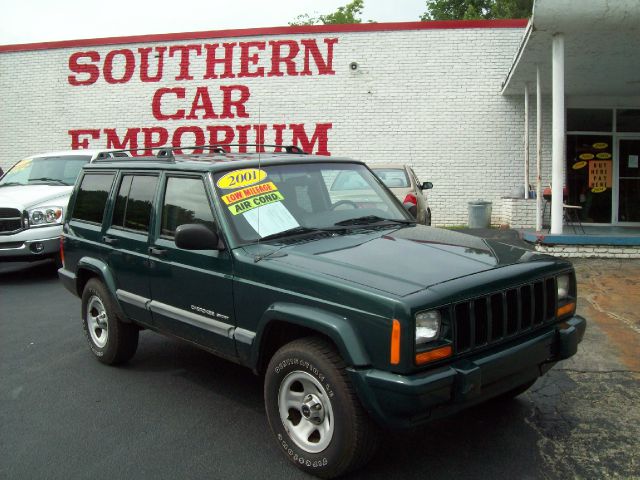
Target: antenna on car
x: 261, y: 140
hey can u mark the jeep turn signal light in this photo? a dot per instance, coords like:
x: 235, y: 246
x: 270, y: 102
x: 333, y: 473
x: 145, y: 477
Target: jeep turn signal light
x: 395, y: 343
x: 433, y: 355
x: 565, y: 309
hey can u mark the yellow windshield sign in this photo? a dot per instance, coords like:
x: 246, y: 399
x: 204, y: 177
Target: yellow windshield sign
x: 248, y: 192
x: 241, y: 178
x: 255, y: 202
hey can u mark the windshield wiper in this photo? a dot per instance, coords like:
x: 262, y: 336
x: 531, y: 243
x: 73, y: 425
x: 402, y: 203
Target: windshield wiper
x: 370, y: 219
x: 291, y: 231
x: 47, y: 179
x: 10, y: 184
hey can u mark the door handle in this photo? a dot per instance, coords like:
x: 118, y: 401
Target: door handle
x: 109, y: 240
x: 158, y: 252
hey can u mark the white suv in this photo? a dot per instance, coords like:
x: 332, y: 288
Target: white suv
x: 34, y: 194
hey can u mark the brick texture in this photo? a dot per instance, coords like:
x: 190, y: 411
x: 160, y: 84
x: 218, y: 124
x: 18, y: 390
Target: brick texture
x: 430, y: 98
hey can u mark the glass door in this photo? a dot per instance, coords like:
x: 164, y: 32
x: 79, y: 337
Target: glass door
x: 629, y: 180
x: 589, y: 177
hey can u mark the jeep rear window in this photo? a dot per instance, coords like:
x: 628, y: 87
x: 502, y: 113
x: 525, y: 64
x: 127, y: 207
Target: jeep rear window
x: 92, y: 197
x: 133, y: 203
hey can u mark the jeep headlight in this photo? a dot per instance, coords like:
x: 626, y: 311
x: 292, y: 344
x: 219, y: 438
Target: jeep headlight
x: 45, y: 216
x: 427, y: 326
x: 566, y: 298
x: 564, y: 282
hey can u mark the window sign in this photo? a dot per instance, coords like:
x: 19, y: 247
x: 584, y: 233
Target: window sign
x: 600, y: 174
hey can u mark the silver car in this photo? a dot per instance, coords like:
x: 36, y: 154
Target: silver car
x: 403, y: 182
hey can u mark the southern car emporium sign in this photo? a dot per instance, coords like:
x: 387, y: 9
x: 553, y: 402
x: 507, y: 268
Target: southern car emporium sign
x: 205, y: 99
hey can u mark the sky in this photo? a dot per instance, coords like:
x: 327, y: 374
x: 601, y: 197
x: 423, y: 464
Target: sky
x: 29, y: 21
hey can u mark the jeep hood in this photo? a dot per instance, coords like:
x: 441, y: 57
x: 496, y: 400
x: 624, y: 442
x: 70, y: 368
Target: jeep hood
x: 27, y: 196
x: 402, y: 261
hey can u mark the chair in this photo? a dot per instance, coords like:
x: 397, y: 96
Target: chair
x: 570, y: 214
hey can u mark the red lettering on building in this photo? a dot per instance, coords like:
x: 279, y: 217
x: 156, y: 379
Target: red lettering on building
x: 211, y: 61
x: 78, y: 143
x: 214, y: 138
x: 248, y: 59
x: 278, y: 57
x: 156, y: 106
x: 144, y: 64
x: 202, y: 101
x: 129, y: 66
x: 319, y: 136
x: 129, y: 142
x: 156, y: 137
x: 260, y: 131
x: 228, y: 102
x: 325, y: 67
x: 185, y: 60
x: 93, y: 71
x: 279, y: 129
x: 198, y: 134
x: 149, y: 142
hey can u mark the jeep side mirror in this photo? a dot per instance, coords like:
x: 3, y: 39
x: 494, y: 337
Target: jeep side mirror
x: 195, y: 236
x: 426, y: 186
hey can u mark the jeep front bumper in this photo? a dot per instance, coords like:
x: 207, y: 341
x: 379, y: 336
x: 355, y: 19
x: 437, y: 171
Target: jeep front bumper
x: 401, y: 401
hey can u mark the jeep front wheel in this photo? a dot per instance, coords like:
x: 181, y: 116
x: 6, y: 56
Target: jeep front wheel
x: 111, y: 340
x: 314, y: 412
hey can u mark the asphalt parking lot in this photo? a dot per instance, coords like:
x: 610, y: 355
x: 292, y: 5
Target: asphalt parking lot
x: 177, y: 412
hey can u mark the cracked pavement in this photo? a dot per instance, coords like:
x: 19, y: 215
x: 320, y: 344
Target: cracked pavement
x: 586, y: 410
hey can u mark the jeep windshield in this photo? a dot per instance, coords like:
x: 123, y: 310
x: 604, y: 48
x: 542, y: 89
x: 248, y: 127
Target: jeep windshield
x: 305, y: 198
x: 62, y: 170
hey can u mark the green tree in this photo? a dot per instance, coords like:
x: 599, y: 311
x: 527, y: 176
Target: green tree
x: 350, y: 13
x: 477, y: 9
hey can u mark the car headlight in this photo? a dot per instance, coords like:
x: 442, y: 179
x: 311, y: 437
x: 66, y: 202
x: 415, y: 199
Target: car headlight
x: 566, y: 296
x: 564, y: 282
x: 427, y: 326
x: 45, y: 216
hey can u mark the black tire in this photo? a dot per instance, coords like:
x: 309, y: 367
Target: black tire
x: 354, y: 437
x: 427, y: 220
x: 111, y: 340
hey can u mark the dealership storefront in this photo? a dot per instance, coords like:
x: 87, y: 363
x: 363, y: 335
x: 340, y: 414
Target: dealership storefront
x: 453, y: 99
x: 589, y: 52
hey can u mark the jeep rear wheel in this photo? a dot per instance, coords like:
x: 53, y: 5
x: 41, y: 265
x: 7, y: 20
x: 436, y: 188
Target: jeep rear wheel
x: 314, y: 412
x: 111, y: 340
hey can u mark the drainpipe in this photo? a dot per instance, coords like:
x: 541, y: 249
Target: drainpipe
x: 538, y: 151
x: 558, y: 136
x: 526, y: 141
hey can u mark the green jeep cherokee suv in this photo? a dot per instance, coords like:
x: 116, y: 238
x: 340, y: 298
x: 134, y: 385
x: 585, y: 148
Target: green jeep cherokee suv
x: 357, y: 317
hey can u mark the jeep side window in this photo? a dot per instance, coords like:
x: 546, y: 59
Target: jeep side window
x: 185, y: 201
x: 92, y: 197
x: 133, y: 203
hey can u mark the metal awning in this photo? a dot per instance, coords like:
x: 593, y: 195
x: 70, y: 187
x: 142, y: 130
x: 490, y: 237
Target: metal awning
x: 602, y: 48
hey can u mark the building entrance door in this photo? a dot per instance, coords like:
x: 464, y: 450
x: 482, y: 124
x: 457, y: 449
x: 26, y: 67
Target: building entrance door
x: 628, y: 180
x: 589, y: 178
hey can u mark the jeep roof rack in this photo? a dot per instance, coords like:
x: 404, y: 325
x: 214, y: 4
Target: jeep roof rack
x: 166, y: 153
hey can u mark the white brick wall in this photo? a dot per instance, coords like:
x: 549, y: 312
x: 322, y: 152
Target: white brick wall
x: 590, y: 251
x: 425, y: 97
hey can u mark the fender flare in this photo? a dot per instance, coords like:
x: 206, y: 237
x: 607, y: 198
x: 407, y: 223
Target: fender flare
x: 102, y: 271
x: 335, y: 327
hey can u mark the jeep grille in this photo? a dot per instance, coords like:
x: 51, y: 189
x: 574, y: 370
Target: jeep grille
x: 503, y: 315
x: 10, y: 221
